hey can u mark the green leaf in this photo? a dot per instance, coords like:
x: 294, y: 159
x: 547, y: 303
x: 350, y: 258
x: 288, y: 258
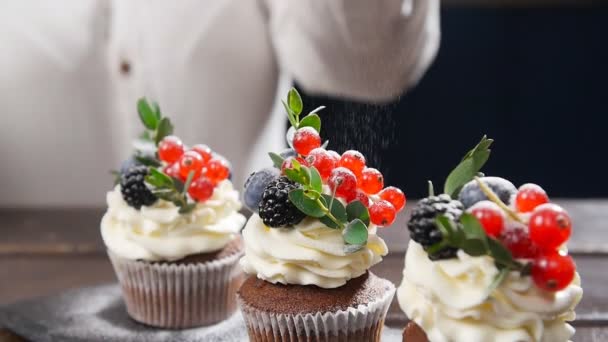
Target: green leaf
x: 474, y: 247
x: 184, y: 209
x: 305, y: 204
x: 295, y: 101
x: 311, y: 120
x: 147, y: 161
x: 165, y: 128
x: 147, y: 114
x: 315, y: 180
x: 471, y: 227
x: 445, y: 226
x: 159, y: 179
x: 356, y: 210
x: 349, y: 249
x: 145, y: 136
x: 277, y: 160
x: 500, y: 277
x: 178, y: 185
x: 501, y: 254
x: 468, y: 167
x: 156, y: 109
x: 355, y: 233
x: 336, y: 208
x: 290, y: 115
x: 299, y: 176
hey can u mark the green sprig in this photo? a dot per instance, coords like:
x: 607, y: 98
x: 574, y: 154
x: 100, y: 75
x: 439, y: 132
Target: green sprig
x: 468, y: 168
x: 170, y: 189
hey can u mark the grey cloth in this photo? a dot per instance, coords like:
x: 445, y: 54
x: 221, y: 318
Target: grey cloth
x: 98, y: 314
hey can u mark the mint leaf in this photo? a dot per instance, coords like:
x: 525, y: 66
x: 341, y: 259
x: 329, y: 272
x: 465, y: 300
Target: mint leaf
x: 156, y: 109
x: 472, y: 227
x: 295, y: 101
x: 298, y: 175
x: 147, y: 114
x: 501, y: 254
x: 290, y: 115
x: 305, y: 204
x: 311, y: 120
x: 356, y: 210
x: 468, y: 167
x: 349, y: 249
x: 336, y: 209
x: 147, y: 161
x: 277, y: 160
x: 315, y: 180
x: 159, y: 179
x: 474, y: 247
x: 165, y: 128
x: 355, y: 233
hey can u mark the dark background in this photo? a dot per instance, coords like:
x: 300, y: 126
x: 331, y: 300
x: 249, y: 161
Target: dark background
x: 532, y: 78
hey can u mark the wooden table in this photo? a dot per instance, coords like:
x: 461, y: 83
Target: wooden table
x: 45, y: 251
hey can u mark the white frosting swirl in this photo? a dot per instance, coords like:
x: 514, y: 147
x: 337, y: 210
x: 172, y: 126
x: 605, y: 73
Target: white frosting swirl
x: 309, y: 253
x: 449, y: 299
x: 159, y: 232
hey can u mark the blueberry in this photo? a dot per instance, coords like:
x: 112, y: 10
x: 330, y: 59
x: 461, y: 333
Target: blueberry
x: 471, y: 193
x: 290, y: 152
x: 255, y: 184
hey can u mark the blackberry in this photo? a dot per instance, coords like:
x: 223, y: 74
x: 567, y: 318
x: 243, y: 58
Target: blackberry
x: 275, y: 209
x: 422, y: 225
x: 134, y: 190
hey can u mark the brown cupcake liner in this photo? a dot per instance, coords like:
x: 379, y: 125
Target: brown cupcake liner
x: 363, y: 323
x: 169, y: 295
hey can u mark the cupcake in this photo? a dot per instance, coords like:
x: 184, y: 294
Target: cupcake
x: 312, y: 239
x: 172, y: 230
x: 488, y: 262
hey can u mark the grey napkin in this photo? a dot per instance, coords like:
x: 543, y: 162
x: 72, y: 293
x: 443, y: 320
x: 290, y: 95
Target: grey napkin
x: 98, y: 314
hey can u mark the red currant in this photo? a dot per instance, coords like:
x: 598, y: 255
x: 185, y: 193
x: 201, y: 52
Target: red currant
x: 334, y: 155
x: 395, y: 196
x: 553, y: 271
x: 322, y: 161
x: 362, y: 197
x: 305, y: 140
x: 217, y: 170
x: 205, y: 152
x: 201, y: 189
x: 344, y: 182
x: 490, y: 216
x: 170, y: 149
x: 550, y: 226
x: 353, y: 160
x: 382, y: 213
x: 190, y: 161
x: 371, y: 181
x: 518, y: 242
x: 172, y: 170
x: 530, y: 196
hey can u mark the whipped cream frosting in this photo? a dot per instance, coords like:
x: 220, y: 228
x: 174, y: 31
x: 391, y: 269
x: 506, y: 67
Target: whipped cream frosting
x: 449, y: 299
x: 309, y: 253
x: 159, y: 232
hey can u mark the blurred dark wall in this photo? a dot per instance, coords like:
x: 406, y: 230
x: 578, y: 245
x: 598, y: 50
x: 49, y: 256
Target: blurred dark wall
x: 534, y: 79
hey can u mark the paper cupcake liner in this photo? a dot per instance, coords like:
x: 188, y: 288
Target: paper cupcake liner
x: 363, y: 323
x: 179, y: 296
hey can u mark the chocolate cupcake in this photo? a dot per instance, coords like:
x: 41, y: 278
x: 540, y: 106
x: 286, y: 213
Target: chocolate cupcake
x: 311, y: 241
x: 171, y: 230
x: 495, y: 271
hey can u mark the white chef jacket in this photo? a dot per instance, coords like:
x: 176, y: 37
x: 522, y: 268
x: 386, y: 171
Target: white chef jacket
x: 72, y: 70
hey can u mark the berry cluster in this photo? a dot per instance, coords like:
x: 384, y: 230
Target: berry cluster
x: 519, y: 228
x: 209, y: 168
x: 535, y: 230
x: 168, y: 169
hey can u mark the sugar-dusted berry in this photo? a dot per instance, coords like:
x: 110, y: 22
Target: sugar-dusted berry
x: 362, y: 197
x: 170, y: 149
x: 172, y: 170
x: 322, y: 161
x: 517, y: 240
x: 553, y: 271
x: 382, y: 213
x: 353, y: 160
x: 395, y: 196
x: 371, y: 181
x: 190, y: 161
x: 530, y: 196
x: 305, y: 140
x: 205, y: 152
x: 201, y: 189
x: 550, y: 226
x: 344, y: 182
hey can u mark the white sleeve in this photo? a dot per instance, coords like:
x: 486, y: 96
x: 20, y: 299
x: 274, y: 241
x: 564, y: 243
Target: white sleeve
x: 370, y: 50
